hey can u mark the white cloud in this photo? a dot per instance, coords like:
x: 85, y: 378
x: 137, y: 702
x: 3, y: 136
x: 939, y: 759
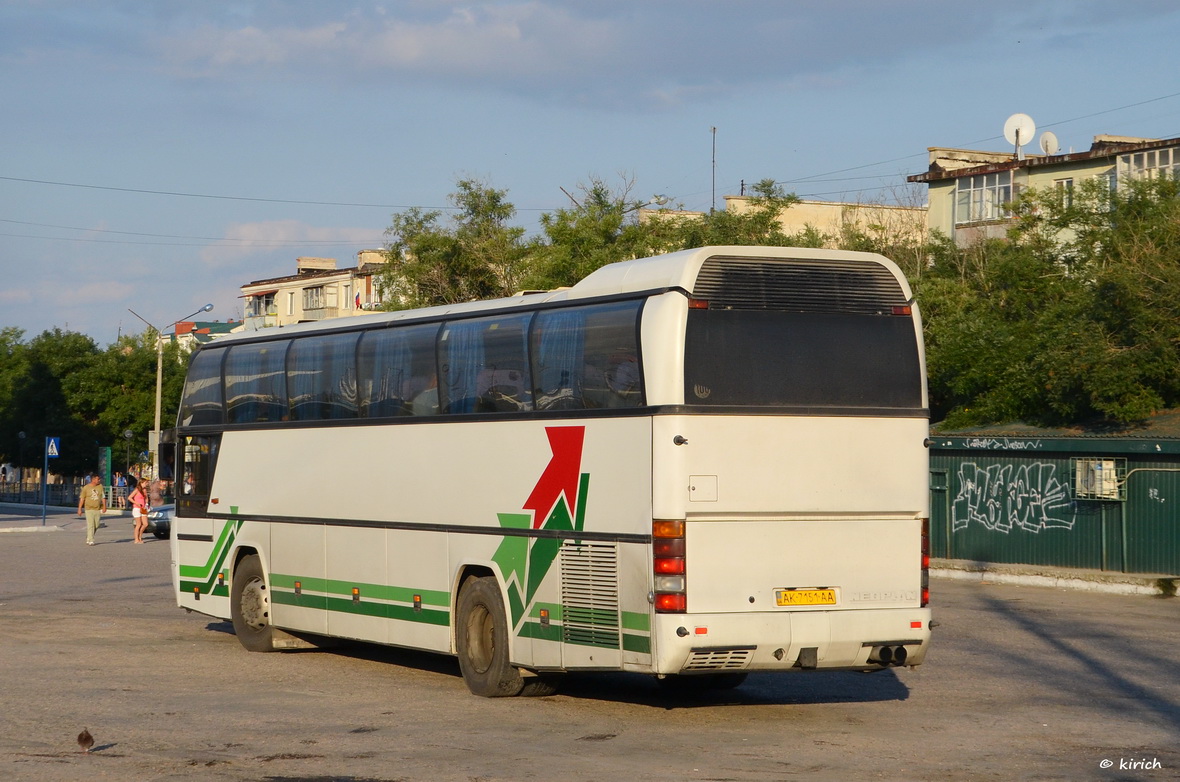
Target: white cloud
x: 250, y: 240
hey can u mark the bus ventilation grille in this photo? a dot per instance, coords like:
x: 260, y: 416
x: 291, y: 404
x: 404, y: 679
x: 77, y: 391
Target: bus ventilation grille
x: 718, y: 659
x: 590, y: 594
x: 855, y: 287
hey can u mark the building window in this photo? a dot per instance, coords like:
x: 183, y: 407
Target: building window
x: 1150, y: 165
x: 290, y: 302
x: 313, y: 298
x: 982, y: 197
x: 262, y: 304
x: 1064, y: 188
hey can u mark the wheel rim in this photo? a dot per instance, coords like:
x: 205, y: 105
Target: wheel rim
x: 255, y: 605
x: 481, y: 642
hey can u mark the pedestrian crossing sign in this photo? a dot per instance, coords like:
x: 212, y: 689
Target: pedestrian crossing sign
x: 53, y: 447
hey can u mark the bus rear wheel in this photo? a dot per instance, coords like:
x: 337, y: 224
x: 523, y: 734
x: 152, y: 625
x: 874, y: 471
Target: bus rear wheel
x: 249, y: 606
x: 481, y: 639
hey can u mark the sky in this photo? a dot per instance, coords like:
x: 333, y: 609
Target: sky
x: 157, y: 155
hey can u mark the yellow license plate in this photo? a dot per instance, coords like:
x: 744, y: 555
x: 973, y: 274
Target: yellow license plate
x: 805, y: 597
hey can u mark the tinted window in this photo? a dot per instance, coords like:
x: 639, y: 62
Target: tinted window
x: 202, y: 404
x: 763, y: 358
x: 484, y: 365
x: 256, y: 383
x: 587, y: 357
x: 398, y: 371
x: 321, y: 377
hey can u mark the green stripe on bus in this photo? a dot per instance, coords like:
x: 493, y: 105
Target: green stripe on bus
x: 637, y: 643
x: 216, y: 556
x: 634, y: 621
x: 396, y: 594
x: 342, y: 605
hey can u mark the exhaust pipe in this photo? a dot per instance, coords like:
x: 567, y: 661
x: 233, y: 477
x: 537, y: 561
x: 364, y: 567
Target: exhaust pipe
x: 888, y: 655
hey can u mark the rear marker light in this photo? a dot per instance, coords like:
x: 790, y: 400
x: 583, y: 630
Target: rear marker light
x: 915, y: 625
x: 670, y: 603
x: 668, y: 566
x: 925, y: 559
x: 698, y: 304
x: 356, y: 595
x: 903, y: 309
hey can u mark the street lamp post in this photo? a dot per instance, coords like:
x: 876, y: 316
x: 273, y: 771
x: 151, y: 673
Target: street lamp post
x: 154, y: 449
x: 20, y: 468
x: 127, y: 435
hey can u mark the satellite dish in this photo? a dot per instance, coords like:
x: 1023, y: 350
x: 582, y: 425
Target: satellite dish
x: 1049, y: 143
x: 1018, y: 131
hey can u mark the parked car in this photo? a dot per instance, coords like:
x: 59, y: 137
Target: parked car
x: 160, y: 521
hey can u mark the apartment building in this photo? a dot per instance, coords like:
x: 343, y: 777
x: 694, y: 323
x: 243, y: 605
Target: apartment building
x: 969, y: 190
x: 317, y: 291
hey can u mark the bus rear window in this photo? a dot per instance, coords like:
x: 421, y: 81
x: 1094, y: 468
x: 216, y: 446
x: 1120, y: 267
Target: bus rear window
x: 792, y: 359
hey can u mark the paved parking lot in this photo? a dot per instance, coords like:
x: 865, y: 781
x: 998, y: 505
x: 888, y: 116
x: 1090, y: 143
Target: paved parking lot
x: 1022, y: 683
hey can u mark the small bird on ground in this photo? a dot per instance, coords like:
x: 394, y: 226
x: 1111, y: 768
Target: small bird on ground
x: 85, y: 740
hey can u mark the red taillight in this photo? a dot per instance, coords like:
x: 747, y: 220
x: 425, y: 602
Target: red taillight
x: 903, y: 309
x: 671, y: 603
x: 698, y: 304
x: 925, y: 562
x: 667, y: 566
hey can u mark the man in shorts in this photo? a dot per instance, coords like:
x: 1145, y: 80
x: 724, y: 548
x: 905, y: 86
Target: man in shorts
x: 94, y: 500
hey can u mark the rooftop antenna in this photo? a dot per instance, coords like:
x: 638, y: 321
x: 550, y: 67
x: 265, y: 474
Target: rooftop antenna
x: 1049, y: 143
x: 713, y: 204
x: 1018, y: 131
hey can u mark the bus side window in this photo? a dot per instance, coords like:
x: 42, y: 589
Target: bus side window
x: 484, y: 365
x: 612, y: 372
x: 256, y: 382
x: 396, y: 372
x: 321, y: 377
x: 201, y: 402
x: 198, y: 461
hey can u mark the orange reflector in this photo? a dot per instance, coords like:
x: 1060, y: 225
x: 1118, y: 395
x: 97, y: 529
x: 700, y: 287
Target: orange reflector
x: 701, y: 630
x: 667, y: 528
x: 915, y: 625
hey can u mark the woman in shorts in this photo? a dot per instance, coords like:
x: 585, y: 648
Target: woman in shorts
x: 139, y: 509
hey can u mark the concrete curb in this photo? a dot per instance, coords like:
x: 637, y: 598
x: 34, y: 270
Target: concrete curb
x: 1159, y: 585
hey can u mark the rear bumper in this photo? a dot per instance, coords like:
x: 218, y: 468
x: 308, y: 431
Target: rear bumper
x: 784, y: 641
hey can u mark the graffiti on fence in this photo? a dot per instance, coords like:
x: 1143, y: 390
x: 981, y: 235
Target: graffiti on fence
x: 1005, y: 444
x: 1000, y: 497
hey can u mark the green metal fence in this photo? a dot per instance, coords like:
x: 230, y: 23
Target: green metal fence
x: 1085, y: 502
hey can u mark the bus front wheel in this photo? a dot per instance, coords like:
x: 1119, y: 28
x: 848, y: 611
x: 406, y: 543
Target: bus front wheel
x: 481, y: 639
x: 250, y: 606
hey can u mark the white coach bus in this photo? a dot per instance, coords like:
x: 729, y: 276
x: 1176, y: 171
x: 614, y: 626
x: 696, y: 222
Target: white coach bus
x: 696, y: 465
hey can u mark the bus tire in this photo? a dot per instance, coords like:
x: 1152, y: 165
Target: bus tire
x: 481, y: 639
x: 249, y: 606
x: 540, y: 686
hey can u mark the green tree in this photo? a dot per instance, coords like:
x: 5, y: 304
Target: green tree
x: 478, y: 255
x: 603, y: 227
x: 758, y: 225
x: 1075, y: 318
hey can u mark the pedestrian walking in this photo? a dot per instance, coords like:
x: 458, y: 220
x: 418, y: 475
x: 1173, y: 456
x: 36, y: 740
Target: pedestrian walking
x: 94, y: 501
